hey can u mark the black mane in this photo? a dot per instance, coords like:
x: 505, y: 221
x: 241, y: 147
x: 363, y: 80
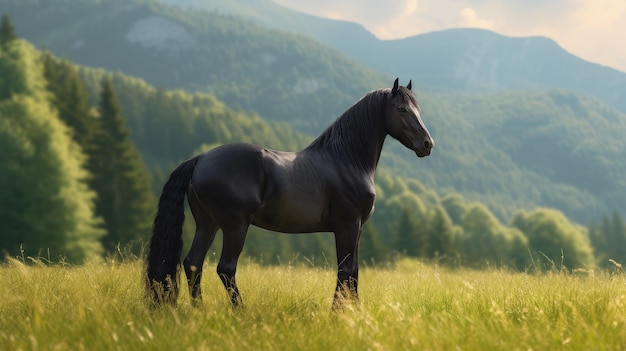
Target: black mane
x: 351, y: 135
x: 354, y: 124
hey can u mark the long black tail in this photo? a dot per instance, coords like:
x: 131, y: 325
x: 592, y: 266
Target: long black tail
x: 163, y: 262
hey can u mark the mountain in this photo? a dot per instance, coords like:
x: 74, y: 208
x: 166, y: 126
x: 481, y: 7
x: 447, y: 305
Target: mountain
x: 480, y: 60
x: 455, y: 60
x: 350, y: 38
x: 279, y: 75
x: 508, y: 149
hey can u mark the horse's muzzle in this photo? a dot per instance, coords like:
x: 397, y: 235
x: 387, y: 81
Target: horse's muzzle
x: 424, y: 149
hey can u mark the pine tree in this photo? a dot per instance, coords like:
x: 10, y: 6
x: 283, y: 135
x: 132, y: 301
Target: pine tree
x: 125, y: 200
x: 15, y: 78
x: 71, y: 99
x: 46, y: 205
x: 7, y: 31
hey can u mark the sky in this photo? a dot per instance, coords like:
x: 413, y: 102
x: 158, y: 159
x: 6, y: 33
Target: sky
x: 594, y: 30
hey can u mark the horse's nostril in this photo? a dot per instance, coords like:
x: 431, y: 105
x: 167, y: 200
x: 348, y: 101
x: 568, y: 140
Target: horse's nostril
x: 427, y: 144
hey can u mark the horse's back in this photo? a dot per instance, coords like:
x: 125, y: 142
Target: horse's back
x: 229, y: 160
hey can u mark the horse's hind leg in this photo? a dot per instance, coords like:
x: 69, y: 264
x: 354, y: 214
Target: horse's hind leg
x: 206, y: 229
x: 234, y: 238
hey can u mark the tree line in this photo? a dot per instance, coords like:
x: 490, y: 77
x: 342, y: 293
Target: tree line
x: 75, y: 182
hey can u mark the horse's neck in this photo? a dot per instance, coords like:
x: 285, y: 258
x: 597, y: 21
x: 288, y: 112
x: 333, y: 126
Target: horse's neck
x: 362, y: 143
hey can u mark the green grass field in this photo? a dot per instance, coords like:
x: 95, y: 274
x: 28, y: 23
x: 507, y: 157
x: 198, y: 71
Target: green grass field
x: 100, y: 306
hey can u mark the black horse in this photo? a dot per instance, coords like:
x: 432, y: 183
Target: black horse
x: 327, y: 187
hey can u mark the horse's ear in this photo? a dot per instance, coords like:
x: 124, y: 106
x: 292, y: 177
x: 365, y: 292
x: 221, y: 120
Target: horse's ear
x: 394, y: 90
x: 408, y: 86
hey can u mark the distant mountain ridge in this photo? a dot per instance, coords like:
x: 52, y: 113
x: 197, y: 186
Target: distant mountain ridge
x: 480, y: 60
x: 245, y: 65
x: 455, y: 60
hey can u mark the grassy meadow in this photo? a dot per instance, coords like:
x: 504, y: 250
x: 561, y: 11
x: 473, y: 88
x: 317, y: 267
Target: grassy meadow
x: 100, y: 306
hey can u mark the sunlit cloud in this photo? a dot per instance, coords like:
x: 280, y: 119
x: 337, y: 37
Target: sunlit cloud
x: 469, y: 18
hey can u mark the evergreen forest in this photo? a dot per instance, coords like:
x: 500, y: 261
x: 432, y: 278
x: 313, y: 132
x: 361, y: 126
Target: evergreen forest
x: 87, y: 150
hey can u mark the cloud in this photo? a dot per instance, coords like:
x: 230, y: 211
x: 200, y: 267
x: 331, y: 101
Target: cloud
x: 469, y: 18
x: 385, y: 19
x: 591, y: 29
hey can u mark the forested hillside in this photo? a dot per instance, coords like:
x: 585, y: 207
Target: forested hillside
x: 281, y: 76
x: 459, y: 60
x: 410, y: 219
x: 47, y: 207
x: 171, y: 125
x: 509, y: 151
x: 510, y: 165
x: 555, y: 149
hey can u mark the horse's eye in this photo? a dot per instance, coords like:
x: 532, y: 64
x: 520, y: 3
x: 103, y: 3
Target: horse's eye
x: 401, y: 109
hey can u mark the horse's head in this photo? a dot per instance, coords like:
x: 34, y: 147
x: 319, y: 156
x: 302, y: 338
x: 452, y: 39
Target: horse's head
x: 403, y: 121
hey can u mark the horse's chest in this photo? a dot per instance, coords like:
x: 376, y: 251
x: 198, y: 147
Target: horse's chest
x: 353, y: 199
x: 364, y: 203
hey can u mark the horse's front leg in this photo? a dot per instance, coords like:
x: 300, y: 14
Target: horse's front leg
x: 347, y: 244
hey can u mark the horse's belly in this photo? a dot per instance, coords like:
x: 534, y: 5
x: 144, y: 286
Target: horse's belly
x: 292, y: 216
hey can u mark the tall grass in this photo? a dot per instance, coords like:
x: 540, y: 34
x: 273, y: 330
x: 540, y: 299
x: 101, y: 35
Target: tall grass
x: 100, y: 306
